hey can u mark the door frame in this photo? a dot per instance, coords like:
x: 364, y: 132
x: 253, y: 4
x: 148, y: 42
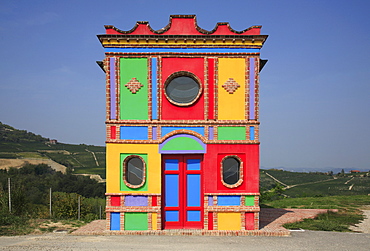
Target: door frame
x: 183, y: 208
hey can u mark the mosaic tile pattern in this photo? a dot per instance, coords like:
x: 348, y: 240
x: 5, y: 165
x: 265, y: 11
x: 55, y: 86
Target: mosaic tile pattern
x: 231, y: 85
x: 134, y: 85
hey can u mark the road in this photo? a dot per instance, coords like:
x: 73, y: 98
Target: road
x: 308, y: 240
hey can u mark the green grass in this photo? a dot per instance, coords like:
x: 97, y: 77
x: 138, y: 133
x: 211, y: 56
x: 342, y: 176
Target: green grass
x: 356, y: 186
x: 348, y: 211
x: 292, y: 178
x: 23, y: 226
x: 328, y: 202
x: 14, y: 225
x: 33, y: 155
x: 266, y: 183
x: 329, y: 221
x: 8, y: 155
x: 91, y: 170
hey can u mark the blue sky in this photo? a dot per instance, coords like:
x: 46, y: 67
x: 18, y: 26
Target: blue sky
x: 314, y: 93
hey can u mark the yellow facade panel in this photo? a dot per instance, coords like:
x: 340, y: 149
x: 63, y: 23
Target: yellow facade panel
x: 154, y: 221
x: 113, y: 165
x: 231, y: 102
x: 229, y: 221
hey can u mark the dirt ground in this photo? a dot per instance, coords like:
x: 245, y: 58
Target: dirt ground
x: 364, y: 226
x: 17, y: 163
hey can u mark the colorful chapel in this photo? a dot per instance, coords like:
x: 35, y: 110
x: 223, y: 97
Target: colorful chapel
x: 182, y: 126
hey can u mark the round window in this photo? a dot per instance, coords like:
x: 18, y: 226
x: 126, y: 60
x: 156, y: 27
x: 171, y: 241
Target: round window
x: 182, y: 89
x: 232, y: 171
x: 134, y: 175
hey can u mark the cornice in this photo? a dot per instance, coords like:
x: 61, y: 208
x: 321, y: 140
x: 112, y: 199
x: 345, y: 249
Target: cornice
x: 182, y: 30
x: 109, y: 40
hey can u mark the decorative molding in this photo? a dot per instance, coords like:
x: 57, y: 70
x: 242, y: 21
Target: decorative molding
x: 134, y: 85
x: 231, y: 86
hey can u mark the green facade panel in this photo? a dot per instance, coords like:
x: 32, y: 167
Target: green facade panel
x: 249, y: 200
x: 231, y: 133
x: 182, y: 143
x: 134, y: 70
x: 136, y: 221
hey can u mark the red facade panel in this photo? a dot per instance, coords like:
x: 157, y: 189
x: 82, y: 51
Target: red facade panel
x: 249, y: 221
x: 212, y: 168
x: 113, y: 132
x: 170, y: 111
x: 115, y: 200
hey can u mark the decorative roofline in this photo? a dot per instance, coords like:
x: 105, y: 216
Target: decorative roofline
x: 182, y: 25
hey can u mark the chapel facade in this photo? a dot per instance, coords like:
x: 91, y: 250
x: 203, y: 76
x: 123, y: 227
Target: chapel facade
x: 182, y: 126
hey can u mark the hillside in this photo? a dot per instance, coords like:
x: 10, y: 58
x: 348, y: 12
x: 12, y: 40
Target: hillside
x: 19, y: 146
x: 297, y: 184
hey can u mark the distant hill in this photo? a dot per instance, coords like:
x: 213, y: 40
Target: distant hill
x: 10, y: 134
x: 322, y: 169
x: 29, y: 147
x: 315, y: 184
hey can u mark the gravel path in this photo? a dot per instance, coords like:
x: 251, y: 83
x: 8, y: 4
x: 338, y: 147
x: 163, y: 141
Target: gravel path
x: 364, y: 226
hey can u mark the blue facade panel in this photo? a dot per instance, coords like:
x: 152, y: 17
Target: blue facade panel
x: 251, y: 132
x: 134, y: 132
x: 168, y: 129
x: 115, y: 221
x: 228, y: 200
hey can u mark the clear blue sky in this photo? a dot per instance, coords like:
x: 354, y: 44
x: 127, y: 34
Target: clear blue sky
x: 315, y: 89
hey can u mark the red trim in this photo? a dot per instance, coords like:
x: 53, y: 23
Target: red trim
x: 113, y: 131
x: 210, y: 221
x: 154, y: 201
x: 211, y: 88
x: 115, y: 200
x: 249, y: 221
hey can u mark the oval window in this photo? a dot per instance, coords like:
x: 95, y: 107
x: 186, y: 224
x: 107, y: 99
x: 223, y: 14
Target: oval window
x: 182, y: 88
x: 231, y: 171
x: 134, y: 175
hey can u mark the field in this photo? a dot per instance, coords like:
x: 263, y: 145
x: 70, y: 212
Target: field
x: 78, y: 158
x: 296, y: 184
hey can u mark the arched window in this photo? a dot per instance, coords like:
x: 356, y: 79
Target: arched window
x: 231, y: 171
x: 182, y: 88
x: 134, y: 171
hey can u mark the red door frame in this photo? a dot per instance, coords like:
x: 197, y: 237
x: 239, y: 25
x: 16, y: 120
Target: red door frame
x: 182, y: 195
